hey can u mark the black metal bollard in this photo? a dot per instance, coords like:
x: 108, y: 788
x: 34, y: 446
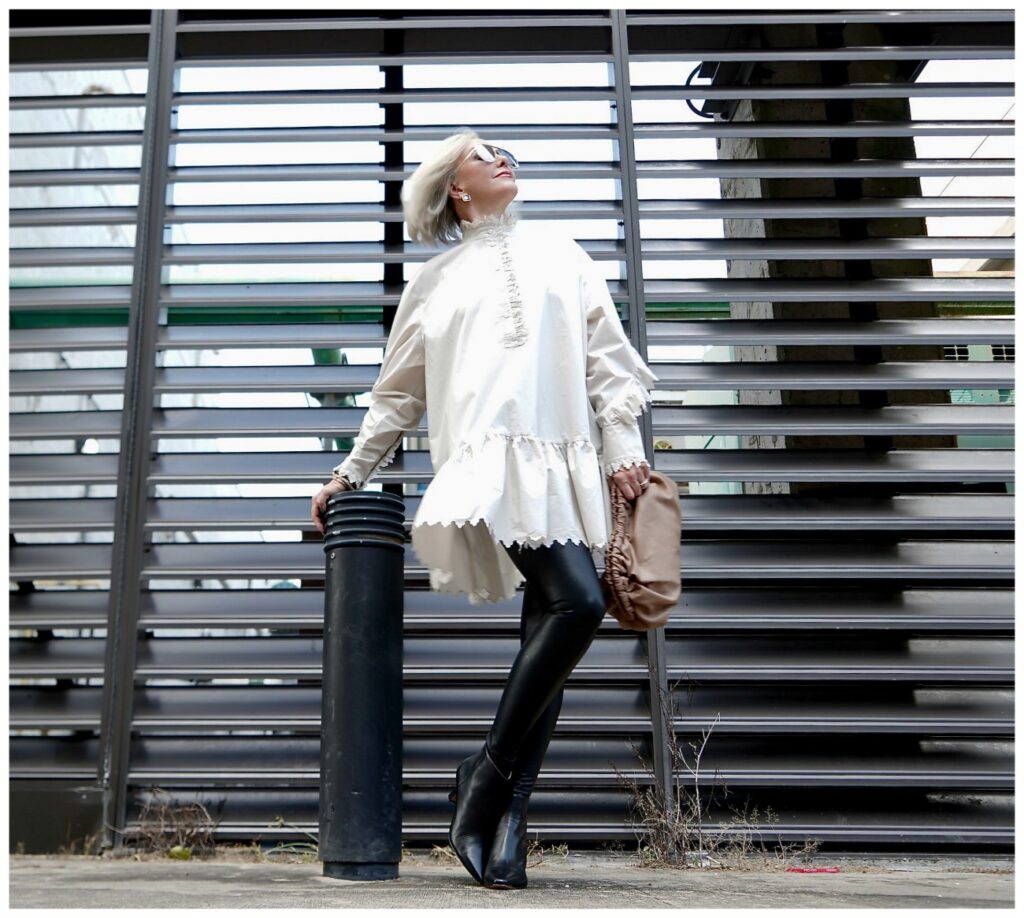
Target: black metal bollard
x: 361, y: 713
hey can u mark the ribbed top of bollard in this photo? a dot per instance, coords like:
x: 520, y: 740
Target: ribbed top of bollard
x: 364, y: 518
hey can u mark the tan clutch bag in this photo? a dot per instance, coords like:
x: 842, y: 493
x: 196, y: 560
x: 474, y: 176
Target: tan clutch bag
x: 641, y: 581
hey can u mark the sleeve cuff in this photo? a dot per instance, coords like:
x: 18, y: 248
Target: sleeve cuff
x: 623, y: 445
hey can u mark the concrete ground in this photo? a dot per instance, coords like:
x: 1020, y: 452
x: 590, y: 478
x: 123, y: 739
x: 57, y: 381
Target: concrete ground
x: 583, y: 879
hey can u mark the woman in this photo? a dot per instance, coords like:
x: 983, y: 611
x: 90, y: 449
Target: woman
x: 534, y: 393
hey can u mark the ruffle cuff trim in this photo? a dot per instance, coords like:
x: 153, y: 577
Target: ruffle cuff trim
x: 346, y: 468
x: 628, y: 406
x: 624, y: 462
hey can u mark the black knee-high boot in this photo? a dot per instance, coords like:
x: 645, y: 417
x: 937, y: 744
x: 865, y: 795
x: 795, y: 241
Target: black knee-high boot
x: 506, y: 864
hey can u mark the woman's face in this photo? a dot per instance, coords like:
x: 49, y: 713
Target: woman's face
x: 489, y: 184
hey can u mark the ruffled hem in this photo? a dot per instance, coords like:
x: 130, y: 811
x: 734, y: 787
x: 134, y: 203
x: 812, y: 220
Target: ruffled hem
x: 526, y: 490
x: 447, y: 581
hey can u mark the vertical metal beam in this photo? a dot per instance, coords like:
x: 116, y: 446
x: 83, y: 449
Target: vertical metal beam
x: 660, y: 751
x: 136, y: 429
x: 394, y: 44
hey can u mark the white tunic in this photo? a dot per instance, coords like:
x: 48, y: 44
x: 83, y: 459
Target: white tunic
x: 534, y: 393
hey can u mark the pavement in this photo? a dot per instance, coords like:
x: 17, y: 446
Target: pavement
x: 570, y: 880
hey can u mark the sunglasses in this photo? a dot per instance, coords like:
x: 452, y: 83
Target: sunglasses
x: 489, y: 153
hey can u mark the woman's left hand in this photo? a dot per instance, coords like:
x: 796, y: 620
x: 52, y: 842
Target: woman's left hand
x: 632, y: 481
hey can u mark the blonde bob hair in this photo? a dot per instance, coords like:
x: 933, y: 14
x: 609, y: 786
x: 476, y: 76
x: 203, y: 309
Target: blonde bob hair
x: 429, y: 211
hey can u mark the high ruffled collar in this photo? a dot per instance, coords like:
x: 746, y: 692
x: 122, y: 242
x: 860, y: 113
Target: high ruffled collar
x: 491, y: 227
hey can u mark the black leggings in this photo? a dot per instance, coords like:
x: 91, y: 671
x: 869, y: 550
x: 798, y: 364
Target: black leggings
x: 563, y: 606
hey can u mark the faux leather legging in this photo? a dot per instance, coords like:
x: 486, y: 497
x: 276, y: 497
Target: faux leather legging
x: 563, y: 606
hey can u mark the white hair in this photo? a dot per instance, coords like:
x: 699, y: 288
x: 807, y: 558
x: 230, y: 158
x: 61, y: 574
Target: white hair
x: 429, y: 211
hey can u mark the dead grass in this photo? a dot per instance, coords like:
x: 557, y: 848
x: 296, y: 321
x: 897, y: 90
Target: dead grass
x: 670, y: 825
x: 167, y: 828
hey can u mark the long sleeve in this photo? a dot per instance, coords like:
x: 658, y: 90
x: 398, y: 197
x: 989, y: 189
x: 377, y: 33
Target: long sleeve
x: 619, y: 383
x: 398, y: 398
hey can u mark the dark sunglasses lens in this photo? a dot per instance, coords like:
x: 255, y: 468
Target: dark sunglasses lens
x: 500, y: 151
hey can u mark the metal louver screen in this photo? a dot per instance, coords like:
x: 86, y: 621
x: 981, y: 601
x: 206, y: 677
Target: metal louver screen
x: 806, y: 220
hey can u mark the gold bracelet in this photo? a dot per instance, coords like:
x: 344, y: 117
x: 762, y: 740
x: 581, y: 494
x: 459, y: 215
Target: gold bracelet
x: 337, y: 476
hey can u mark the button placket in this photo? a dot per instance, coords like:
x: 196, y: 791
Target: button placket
x: 494, y: 231
x: 516, y: 336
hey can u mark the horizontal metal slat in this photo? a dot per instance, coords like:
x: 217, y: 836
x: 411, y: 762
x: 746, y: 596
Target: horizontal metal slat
x: 426, y: 710
x: 352, y: 378
x: 59, y: 468
x: 439, y: 19
x: 700, y: 513
x: 598, y: 815
x: 819, y: 168
x: 557, y: 131
x: 846, y: 465
x: 822, y: 208
x: 811, y: 420
x: 763, y: 659
x: 834, y: 375
x: 359, y: 378
x: 71, y: 216
x: 916, y: 127
x: 33, y: 178
x: 775, y: 290
x: 67, y: 256
x: 901, y: 289
x: 67, y: 338
x: 654, y: 249
x: 780, y: 710
x: 64, y: 425
x: 202, y: 337
x: 904, y: 247
x: 424, y: 658
x: 37, y: 515
x: 66, y: 382
x: 897, y: 466
x: 694, y: 168
x: 63, y: 561
x: 945, y: 610
x: 798, y: 332
x: 324, y: 295
x: 294, y: 762
x: 833, y: 421
x: 817, y: 663
x: 894, y: 89
x: 927, y: 466
x: 786, y: 513
x: 756, y: 17
x: 698, y: 208
x: 80, y: 31
x: 516, y: 132
x: 843, y: 52
x: 702, y: 562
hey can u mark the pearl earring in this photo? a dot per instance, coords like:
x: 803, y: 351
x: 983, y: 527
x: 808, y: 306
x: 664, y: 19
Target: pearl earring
x: 466, y: 197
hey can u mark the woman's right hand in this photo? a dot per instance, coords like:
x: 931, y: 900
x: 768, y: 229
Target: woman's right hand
x: 319, y: 506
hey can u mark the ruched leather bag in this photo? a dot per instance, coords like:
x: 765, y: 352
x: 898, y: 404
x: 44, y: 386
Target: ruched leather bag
x: 641, y: 581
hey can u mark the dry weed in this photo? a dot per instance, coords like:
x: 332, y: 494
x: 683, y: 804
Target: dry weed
x: 670, y: 826
x: 165, y: 824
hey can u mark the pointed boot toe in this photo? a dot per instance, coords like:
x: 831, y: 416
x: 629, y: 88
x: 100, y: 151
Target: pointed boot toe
x: 506, y: 864
x: 481, y: 795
